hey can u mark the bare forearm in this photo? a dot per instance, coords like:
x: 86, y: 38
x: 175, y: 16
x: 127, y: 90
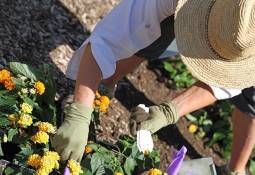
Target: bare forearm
x: 88, y: 78
x: 196, y: 97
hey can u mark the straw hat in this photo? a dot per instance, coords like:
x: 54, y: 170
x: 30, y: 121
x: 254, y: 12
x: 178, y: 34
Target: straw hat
x: 216, y: 39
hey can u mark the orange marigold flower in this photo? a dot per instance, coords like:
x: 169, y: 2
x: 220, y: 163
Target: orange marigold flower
x: 4, y: 75
x: 105, y: 100
x: 40, y: 87
x: 88, y: 150
x: 97, y: 94
x: 9, y: 85
x: 97, y: 102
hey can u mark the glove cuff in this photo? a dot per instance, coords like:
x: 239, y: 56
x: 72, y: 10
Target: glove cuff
x: 78, y: 111
x: 170, y: 111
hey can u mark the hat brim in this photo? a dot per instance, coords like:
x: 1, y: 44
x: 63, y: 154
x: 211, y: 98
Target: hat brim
x: 191, y: 18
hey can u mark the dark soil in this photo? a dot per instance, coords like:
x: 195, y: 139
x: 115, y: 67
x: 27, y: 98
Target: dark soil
x: 38, y: 32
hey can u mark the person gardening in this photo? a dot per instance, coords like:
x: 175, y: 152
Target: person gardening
x: 216, y: 42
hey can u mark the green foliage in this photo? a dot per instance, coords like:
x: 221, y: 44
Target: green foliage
x: 179, y: 75
x: 215, y: 126
x: 123, y: 157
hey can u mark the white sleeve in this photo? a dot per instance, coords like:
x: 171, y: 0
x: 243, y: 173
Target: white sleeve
x: 221, y: 93
x: 131, y: 26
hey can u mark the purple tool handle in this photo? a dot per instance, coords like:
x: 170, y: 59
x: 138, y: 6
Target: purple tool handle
x: 67, y: 171
x: 175, y: 165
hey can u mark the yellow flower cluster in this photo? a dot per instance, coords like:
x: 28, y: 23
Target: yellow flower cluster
x: 192, y: 128
x: 26, y: 108
x: 40, y: 87
x: 101, y: 102
x: 46, y: 127
x: 25, y: 120
x: 45, y: 164
x: 155, y: 171
x: 118, y: 173
x: 6, y: 79
x: 74, y: 167
x: 34, y: 160
x: 40, y: 137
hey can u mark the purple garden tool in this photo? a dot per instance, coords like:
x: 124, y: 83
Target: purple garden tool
x: 175, y: 165
x: 67, y: 171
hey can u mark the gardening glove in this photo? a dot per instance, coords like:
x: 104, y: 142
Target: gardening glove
x: 71, y: 138
x: 158, y: 117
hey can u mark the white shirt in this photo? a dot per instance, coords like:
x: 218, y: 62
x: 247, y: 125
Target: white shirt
x: 131, y: 26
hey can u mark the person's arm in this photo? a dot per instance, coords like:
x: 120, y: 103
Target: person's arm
x: 196, y: 97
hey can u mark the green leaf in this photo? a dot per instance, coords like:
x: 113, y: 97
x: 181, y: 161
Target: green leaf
x: 252, y: 166
x: 97, y: 160
x: 10, y: 171
x: 129, y: 165
x: 4, y: 121
x: 191, y: 118
x: 1, y: 150
x: 23, y: 69
x: 7, y: 101
x: 12, y: 133
x: 19, y: 82
x: 168, y: 67
x: 216, y: 137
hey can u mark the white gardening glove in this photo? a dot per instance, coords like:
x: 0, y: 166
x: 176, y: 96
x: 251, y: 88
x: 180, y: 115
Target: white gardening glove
x: 222, y: 93
x: 144, y: 138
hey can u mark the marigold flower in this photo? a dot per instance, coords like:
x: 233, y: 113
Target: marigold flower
x: 103, y: 108
x: 34, y: 160
x: 118, y: 173
x: 74, y: 167
x: 88, y: 150
x: 40, y: 137
x: 5, y: 75
x: 105, y: 100
x: 192, y: 128
x: 12, y: 118
x: 97, y: 102
x: 9, y: 85
x: 46, y: 127
x: 155, y: 171
x: 25, y: 120
x: 43, y: 171
x: 40, y: 87
x: 49, y: 161
x: 26, y: 108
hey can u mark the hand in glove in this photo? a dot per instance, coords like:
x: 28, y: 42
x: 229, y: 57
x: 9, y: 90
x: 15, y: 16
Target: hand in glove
x: 158, y: 117
x: 71, y: 138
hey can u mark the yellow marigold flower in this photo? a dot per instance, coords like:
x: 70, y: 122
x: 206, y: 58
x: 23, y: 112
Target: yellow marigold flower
x: 118, y: 173
x: 40, y: 88
x: 40, y: 137
x: 103, y: 108
x: 12, y: 118
x: 74, y: 167
x: 9, y: 85
x: 192, y: 128
x: 26, y: 108
x: 42, y: 171
x: 4, y: 75
x: 97, y: 94
x: 105, y: 100
x: 46, y: 127
x: 88, y: 150
x: 34, y: 160
x: 155, y: 171
x: 25, y: 120
x: 54, y: 155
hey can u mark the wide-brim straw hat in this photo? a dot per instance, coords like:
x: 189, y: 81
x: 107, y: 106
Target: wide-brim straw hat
x: 216, y: 40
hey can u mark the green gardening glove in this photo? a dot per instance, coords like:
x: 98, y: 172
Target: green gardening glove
x: 71, y: 138
x: 158, y: 117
